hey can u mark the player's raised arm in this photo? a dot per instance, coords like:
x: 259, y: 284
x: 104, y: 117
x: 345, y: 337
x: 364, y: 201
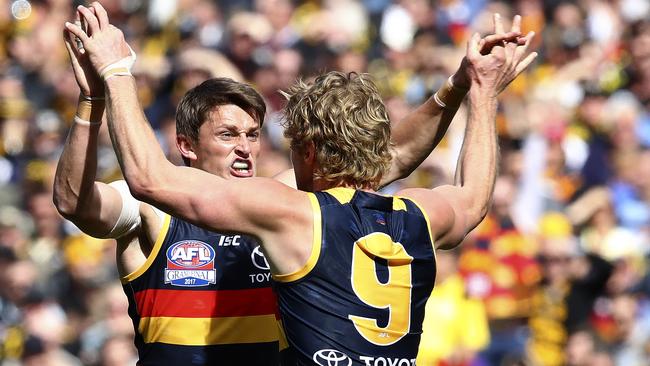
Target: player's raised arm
x: 455, y: 210
x: 415, y: 136
x: 91, y: 205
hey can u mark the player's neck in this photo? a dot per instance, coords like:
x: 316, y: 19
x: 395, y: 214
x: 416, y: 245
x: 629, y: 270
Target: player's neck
x: 322, y: 185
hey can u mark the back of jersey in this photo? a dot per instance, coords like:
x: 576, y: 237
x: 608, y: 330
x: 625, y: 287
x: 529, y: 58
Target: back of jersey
x: 360, y: 299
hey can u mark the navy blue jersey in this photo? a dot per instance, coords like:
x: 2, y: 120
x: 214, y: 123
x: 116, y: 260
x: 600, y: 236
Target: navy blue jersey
x: 360, y: 299
x: 203, y: 298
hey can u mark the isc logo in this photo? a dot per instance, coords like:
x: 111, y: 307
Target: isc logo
x: 190, y: 254
x: 226, y: 241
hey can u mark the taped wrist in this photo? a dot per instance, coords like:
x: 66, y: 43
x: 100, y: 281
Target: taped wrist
x: 449, y: 96
x: 121, y: 67
x: 90, y: 111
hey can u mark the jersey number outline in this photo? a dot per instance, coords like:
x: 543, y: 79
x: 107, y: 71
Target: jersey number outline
x: 394, y: 295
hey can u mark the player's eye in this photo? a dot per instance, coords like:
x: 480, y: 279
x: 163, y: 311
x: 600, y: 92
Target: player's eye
x: 253, y: 136
x: 226, y: 135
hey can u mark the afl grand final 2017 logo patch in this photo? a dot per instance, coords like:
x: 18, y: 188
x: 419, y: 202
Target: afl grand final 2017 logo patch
x: 190, y: 263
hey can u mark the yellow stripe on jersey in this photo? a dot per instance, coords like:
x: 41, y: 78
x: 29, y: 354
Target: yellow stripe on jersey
x: 282, y: 336
x: 152, y: 256
x: 209, y: 331
x: 315, y: 247
x: 398, y: 204
x: 342, y: 194
x: 426, y: 218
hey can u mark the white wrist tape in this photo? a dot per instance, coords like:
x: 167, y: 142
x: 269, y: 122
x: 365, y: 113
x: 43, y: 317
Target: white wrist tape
x: 120, y: 67
x: 78, y: 120
x: 449, y: 95
x: 129, y: 218
x: 91, y: 98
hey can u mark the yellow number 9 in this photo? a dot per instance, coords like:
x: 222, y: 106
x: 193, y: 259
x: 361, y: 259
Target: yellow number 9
x: 394, y: 295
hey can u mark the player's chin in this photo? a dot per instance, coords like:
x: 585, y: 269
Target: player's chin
x: 242, y: 173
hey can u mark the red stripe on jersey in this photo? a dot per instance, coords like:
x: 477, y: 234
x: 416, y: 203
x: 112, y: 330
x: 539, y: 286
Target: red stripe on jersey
x: 205, y: 304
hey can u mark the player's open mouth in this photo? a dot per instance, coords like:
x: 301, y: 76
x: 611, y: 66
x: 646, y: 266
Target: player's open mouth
x: 241, y: 168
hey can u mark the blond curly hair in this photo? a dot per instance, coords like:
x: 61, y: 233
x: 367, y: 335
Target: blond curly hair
x: 345, y: 118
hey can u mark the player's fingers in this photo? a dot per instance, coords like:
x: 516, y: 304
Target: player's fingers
x: 516, y: 24
x: 67, y: 38
x: 102, y: 16
x: 90, y: 18
x: 77, y: 31
x: 498, y: 24
x: 497, y: 39
x: 522, y: 49
x: 508, y: 37
x: 77, y: 21
x: 74, y: 54
x: 526, y: 39
x: 79, y: 47
x: 521, y: 66
x: 511, y: 54
x: 472, y: 46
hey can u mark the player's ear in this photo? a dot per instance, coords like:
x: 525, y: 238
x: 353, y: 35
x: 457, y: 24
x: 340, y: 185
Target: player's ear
x: 310, y: 152
x: 185, y: 147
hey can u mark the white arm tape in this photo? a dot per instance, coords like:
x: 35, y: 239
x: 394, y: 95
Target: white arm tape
x: 129, y: 218
x: 122, y: 66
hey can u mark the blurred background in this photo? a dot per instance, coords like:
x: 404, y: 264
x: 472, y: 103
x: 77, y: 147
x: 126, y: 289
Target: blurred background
x: 557, y: 274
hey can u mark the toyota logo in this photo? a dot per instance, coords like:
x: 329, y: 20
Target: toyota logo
x: 259, y: 260
x: 331, y: 357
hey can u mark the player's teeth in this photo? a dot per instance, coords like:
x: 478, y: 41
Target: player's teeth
x: 240, y: 165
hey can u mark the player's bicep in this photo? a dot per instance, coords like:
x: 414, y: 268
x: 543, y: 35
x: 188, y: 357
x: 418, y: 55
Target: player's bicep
x: 266, y: 205
x: 101, y: 212
x: 205, y: 199
x: 250, y: 206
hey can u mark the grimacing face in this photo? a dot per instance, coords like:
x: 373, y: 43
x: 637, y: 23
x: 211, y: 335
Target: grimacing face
x: 228, y: 144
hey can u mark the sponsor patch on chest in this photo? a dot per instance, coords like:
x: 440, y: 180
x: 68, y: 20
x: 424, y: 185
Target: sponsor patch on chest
x: 190, y: 263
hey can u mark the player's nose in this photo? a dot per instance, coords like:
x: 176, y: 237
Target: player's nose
x: 243, y: 145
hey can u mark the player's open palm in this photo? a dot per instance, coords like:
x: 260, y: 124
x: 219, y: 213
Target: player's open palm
x: 493, y: 71
x: 104, y: 43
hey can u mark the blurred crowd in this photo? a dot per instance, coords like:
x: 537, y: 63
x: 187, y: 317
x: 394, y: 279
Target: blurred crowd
x: 557, y: 274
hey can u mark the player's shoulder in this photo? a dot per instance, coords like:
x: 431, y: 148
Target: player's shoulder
x: 434, y: 204
x: 428, y: 198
